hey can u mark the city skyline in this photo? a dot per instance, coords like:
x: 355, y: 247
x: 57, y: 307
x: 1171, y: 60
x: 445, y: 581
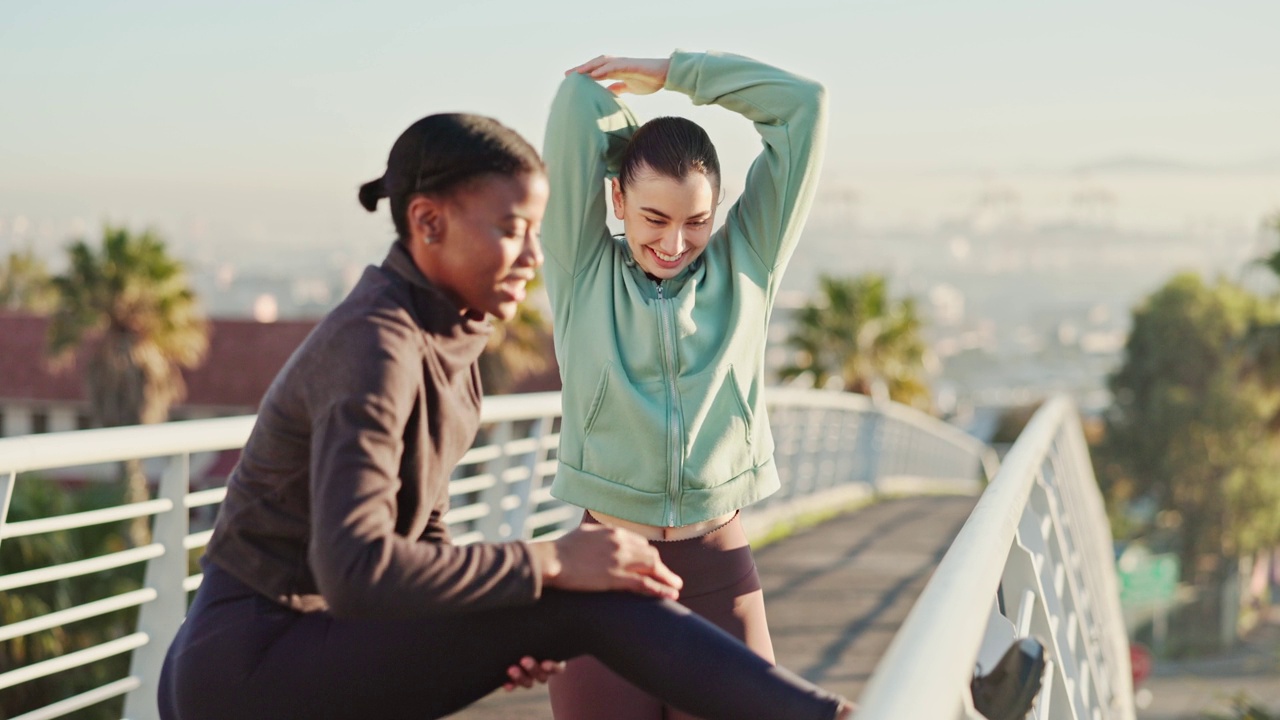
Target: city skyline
x: 254, y: 123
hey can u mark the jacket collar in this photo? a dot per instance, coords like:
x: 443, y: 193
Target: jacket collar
x: 435, y: 311
x: 673, y: 285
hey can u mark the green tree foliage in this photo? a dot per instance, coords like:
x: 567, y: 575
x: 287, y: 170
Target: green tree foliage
x: 852, y: 330
x: 518, y: 347
x: 1244, y: 708
x: 34, y: 498
x: 1186, y: 430
x: 1261, y: 343
x: 128, y: 305
x: 25, y: 284
x: 1271, y: 225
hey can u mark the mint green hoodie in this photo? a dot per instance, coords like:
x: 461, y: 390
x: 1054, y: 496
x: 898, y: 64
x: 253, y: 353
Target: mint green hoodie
x: 664, y: 415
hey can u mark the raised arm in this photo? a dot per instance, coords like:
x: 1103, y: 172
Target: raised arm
x: 586, y: 133
x: 790, y: 114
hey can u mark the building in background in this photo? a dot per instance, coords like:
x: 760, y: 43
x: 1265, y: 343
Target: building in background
x: 244, y: 356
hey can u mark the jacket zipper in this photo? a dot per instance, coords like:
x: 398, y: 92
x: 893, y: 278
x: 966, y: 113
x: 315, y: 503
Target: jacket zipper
x: 673, y: 420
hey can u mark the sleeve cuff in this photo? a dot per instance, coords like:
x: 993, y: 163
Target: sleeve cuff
x: 682, y: 74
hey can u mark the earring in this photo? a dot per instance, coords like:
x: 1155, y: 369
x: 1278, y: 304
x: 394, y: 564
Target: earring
x: 428, y: 240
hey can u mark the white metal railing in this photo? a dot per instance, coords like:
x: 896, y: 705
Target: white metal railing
x: 831, y: 447
x: 1034, y: 558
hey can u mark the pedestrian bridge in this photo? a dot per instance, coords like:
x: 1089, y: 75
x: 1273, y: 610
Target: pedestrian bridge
x: 923, y: 560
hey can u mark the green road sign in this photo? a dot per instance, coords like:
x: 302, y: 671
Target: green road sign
x: 1147, y: 579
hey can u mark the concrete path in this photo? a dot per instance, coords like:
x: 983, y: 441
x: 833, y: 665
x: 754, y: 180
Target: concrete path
x: 836, y: 594
x: 1182, y: 690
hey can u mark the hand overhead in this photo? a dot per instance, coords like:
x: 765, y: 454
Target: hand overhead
x: 638, y: 76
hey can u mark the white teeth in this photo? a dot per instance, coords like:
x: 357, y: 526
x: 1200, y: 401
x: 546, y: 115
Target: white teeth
x: 667, y: 258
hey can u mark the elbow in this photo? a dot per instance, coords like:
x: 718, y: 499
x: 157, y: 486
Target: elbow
x: 809, y: 114
x: 574, y: 88
x: 577, y: 80
x: 348, y: 603
x: 816, y: 100
x: 347, y: 584
x: 566, y: 125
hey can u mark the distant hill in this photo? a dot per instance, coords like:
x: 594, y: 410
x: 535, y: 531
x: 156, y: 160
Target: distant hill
x: 1160, y: 165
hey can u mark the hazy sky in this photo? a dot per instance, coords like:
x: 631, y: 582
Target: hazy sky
x: 259, y: 119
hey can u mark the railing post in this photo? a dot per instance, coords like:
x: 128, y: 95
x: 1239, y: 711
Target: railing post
x: 161, y: 618
x: 802, y: 444
x: 846, y: 468
x: 782, y: 420
x: 491, y: 525
x: 7, y: 481
x: 524, y: 491
x: 802, y: 463
x: 830, y: 442
x: 868, y: 446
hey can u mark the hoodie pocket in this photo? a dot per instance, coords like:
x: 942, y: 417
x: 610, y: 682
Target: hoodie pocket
x: 717, y: 428
x: 625, y: 435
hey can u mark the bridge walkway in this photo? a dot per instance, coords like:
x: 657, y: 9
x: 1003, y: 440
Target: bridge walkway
x: 836, y: 594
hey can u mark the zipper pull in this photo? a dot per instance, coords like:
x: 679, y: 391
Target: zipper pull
x: 659, y: 289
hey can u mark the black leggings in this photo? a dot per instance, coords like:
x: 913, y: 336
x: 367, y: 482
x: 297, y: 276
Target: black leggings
x: 241, y: 655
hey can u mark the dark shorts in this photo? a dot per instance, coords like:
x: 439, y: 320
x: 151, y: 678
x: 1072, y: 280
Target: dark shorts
x: 720, y: 583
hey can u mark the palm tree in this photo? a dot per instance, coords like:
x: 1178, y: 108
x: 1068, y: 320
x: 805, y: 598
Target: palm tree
x: 852, y: 331
x: 24, y: 284
x: 518, y: 347
x: 130, y: 308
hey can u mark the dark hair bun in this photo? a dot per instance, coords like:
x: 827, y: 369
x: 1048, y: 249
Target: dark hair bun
x: 371, y: 192
x: 439, y: 154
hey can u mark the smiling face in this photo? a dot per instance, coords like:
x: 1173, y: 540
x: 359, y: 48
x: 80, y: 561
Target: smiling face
x: 667, y: 221
x: 480, y: 245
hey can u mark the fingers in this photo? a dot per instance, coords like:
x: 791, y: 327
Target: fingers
x: 537, y: 671
x: 639, y: 76
x: 529, y: 671
x: 666, y: 575
x: 547, y: 668
x: 599, y: 558
x: 647, y: 575
x: 519, y: 677
x: 590, y: 67
x: 645, y: 585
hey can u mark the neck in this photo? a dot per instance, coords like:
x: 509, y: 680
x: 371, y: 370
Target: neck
x: 423, y: 259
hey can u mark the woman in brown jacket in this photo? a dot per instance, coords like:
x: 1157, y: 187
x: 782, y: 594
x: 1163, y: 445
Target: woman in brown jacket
x: 331, y: 588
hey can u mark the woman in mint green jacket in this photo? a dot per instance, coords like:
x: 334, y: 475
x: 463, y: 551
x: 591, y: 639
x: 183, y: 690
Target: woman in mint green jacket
x: 660, y: 334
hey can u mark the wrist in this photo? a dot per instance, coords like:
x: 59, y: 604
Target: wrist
x: 681, y: 71
x: 546, y: 560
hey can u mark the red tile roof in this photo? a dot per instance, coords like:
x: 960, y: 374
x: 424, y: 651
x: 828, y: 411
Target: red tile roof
x: 24, y: 369
x: 244, y: 356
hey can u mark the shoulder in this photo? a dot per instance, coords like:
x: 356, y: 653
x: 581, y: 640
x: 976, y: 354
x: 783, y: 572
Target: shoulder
x: 370, y: 334
x: 736, y: 252
x: 376, y: 311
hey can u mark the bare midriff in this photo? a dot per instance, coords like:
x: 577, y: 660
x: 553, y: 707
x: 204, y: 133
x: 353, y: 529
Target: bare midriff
x: 653, y: 532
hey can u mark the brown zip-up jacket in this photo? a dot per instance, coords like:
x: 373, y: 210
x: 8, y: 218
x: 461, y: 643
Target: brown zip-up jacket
x: 338, y: 500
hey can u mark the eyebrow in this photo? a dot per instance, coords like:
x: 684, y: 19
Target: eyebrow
x: 655, y: 211
x: 664, y: 216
